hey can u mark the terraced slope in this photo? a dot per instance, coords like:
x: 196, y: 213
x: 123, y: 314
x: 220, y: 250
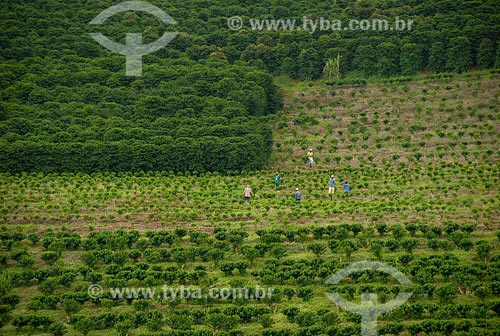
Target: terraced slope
x: 422, y: 159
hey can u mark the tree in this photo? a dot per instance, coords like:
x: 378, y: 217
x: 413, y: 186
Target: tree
x: 446, y: 293
x: 309, y: 65
x: 250, y: 252
x: 306, y: 318
x: 5, y: 283
x: 485, y: 54
x: 409, y: 244
x: 289, y: 67
x: 48, y: 286
x: 180, y: 322
x: 483, y: 249
x: 236, y: 238
x: 382, y: 228
x: 377, y: 248
x: 84, y: 325
x: 289, y: 293
x: 227, y: 268
x: 317, y: 248
x: 348, y: 248
x: 58, y: 329
x: 459, y: 54
x: 26, y: 261
x: 411, y: 59
x: 123, y: 327
x: 405, y: 258
x: 291, y: 313
x: 329, y: 318
x: 305, y: 293
x: 70, y: 306
x: 497, y: 57
x: 50, y: 257
x: 364, y: 60
x: 333, y: 245
x: 35, y: 305
x: 215, y: 255
x: 223, y: 322
x: 266, y: 321
x: 180, y: 256
x: 155, y: 320
x: 388, y: 59
x: 278, y: 251
x: 437, y: 57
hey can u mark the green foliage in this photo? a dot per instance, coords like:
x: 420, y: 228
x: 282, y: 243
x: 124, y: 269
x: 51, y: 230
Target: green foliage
x: 497, y: 58
x: 58, y: 329
x: 459, y: 55
x: 202, y: 102
x: 155, y: 321
x: 123, y: 327
x: 306, y: 318
x: 317, y: 248
x: 437, y: 57
x: 84, y: 325
x: 309, y: 64
x: 50, y: 257
x: 222, y: 322
x: 266, y: 321
x: 485, y: 54
x: 483, y: 249
x: 305, y: 119
x: 411, y: 59
x: 446, y: 293
x: 5, y: 283
x: 278, y: 251
x: 180, y: 322
x: 33, y: 322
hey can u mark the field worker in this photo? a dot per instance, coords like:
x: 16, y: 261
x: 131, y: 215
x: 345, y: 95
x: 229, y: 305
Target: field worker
x: 347, y: 188
x: 247, y: 194
x: 310, y: 157
x: 277, y: 180
x: 297, y: 195
x: 331, y: 186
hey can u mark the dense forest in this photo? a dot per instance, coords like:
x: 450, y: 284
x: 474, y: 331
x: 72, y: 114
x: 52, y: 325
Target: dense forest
x: 203, y: 102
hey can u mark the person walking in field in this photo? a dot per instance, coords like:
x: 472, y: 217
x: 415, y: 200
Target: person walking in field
x: 310, y: 156
x: 347, y: 188
x: 331, y: 186
x: 277, y: 180
x: 247, y: 194
x: 298, y: 196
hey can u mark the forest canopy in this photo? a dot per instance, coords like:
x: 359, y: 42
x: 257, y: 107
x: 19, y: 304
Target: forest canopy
x: 202, y: 101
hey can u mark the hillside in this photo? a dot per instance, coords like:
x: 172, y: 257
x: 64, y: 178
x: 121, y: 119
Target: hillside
x: 200, y: 104
x: 433, y: 216
x: 433, y: 119
x: 433, y: 141
x: 121, y: 185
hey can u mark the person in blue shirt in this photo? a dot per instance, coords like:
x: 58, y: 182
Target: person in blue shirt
x: 347, y: 188
x: 310, y: 156
x: 331, y: 186
x: 297, y: 195
x: 277, y: 180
